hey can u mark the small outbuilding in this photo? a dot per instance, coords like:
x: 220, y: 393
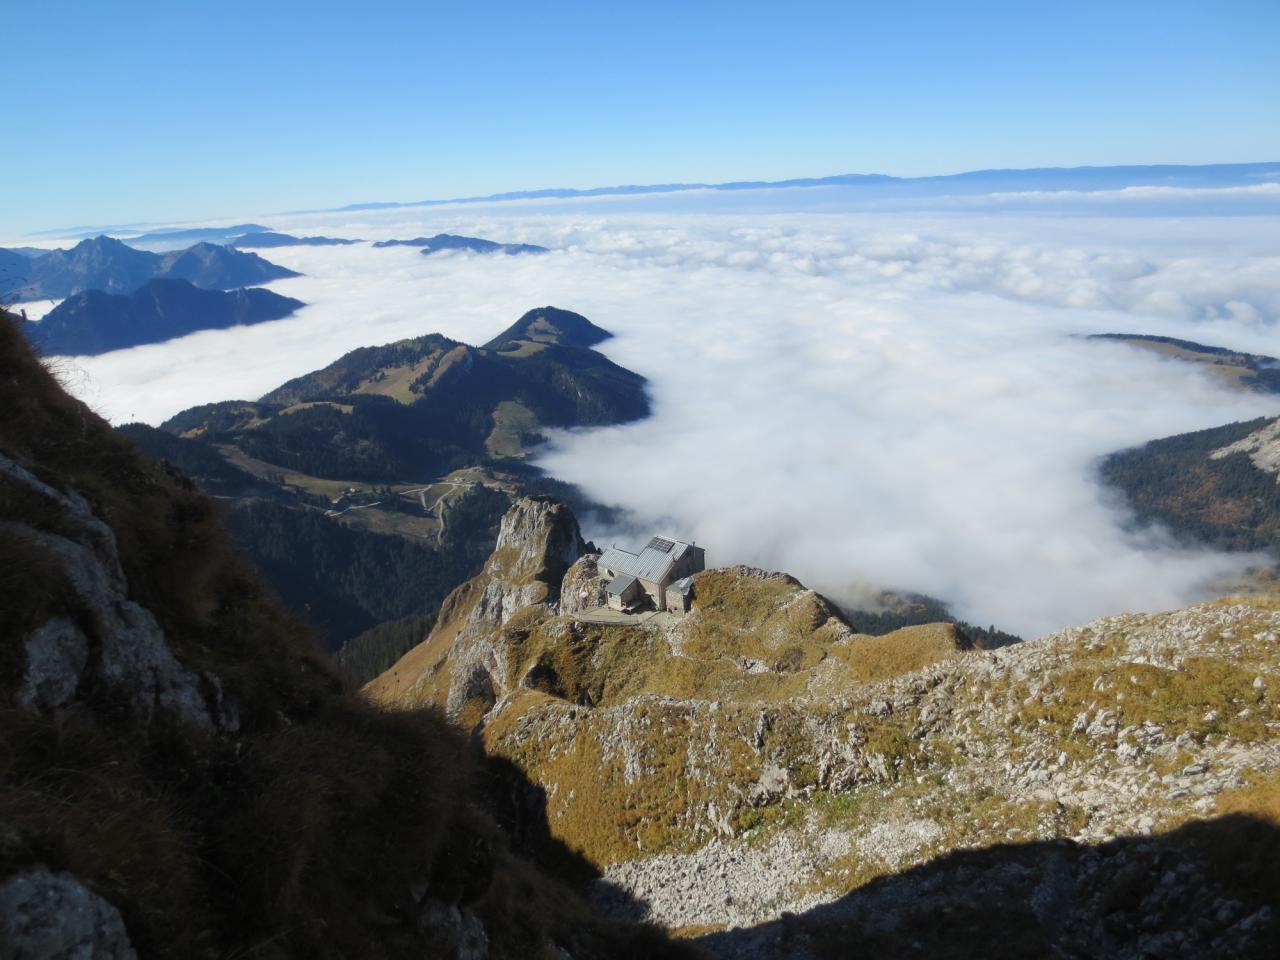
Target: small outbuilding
x: 623, y: 590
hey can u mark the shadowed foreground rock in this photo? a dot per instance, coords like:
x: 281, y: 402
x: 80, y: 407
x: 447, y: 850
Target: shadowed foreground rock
x: 44, y: 914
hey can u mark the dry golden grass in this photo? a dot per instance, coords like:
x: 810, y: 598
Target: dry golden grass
x: 868, y: 658
x: 512, y: 424
x: 525, y: 348
x: 309, y: 404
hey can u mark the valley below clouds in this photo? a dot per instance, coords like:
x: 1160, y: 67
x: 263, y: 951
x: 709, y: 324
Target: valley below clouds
x: 892, y: 400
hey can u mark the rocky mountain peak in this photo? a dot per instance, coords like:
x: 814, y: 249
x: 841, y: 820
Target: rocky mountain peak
x: 538, y: 541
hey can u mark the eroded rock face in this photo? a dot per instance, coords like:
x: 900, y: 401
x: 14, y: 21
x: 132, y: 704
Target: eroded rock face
x: 53, y: 916
x: 125, y: 648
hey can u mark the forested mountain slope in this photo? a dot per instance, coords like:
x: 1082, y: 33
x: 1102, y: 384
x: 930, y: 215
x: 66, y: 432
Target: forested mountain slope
x: 1216, y: 487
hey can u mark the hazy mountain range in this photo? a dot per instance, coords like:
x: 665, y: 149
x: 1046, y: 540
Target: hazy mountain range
x: 958, y: 184
x: 268, y: 238
x: 112, y: 266
x: 449, y: 241
x: 164, y: 240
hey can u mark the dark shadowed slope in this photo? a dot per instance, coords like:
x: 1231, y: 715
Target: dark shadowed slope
x: 1208, y: 889
x: 94, y: 322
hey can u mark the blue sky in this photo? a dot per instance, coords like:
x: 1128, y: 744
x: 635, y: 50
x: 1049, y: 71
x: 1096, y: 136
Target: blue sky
x: 143, y: 111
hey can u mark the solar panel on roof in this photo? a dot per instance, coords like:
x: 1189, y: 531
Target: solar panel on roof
x: 660, y: 543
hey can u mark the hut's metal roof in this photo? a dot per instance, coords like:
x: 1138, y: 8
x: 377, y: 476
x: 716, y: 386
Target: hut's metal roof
x: 620, y: 584
x: 653, y: 563
x: 615, y: 559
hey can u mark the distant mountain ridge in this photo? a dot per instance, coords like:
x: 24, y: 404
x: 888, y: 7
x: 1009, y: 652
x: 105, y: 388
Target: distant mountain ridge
x: 93, y: 322
x: 971, y: 182
x: 268, y: 238
x: 112, y: 266
x: 163, y: 240
x: 451, y: 241
x: 1244, y: 371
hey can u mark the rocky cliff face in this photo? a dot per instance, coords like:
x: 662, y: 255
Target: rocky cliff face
x: 183, y: 775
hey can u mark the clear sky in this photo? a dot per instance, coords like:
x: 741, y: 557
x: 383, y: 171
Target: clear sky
x: 136, y: 110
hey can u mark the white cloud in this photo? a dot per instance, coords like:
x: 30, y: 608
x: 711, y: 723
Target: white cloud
x: 861, y: 400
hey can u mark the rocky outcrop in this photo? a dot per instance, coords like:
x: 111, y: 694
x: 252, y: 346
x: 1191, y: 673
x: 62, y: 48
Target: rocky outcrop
x: 461, y: 665
x: 583, y: 586
x: 52, y: 916
x: 125, y: 648
x: 1262, y: 446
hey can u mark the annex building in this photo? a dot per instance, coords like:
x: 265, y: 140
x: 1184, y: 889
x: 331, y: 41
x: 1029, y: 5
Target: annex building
x: 662, y: 571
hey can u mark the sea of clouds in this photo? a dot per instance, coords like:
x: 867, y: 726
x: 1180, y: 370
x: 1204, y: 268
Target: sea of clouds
x: 892, y: 399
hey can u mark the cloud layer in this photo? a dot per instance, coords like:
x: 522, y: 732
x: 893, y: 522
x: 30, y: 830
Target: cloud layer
x: 866, y: 401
